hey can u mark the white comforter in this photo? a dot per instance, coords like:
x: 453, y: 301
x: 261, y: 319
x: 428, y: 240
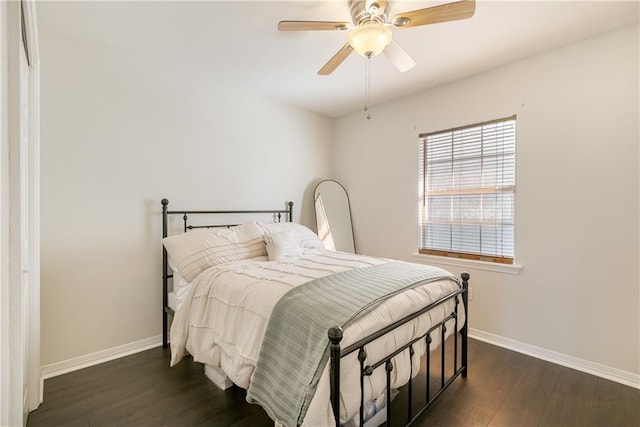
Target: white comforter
x: 225, y: 313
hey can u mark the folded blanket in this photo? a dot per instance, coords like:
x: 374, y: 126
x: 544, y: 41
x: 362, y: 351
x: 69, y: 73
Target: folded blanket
x: 295, y: 348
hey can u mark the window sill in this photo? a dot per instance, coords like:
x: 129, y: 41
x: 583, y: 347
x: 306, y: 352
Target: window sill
x: 468, y: 263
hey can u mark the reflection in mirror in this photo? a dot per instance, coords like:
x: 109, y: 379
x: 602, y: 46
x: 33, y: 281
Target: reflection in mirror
x: 333, y: 216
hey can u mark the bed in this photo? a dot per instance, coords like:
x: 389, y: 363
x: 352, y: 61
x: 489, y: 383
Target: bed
x: 257, y: 301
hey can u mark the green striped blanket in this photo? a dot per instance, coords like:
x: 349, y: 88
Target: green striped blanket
x: 295, y: 348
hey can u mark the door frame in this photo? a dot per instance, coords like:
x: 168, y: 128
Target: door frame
x: 20, y: 384
x: 34, y: 377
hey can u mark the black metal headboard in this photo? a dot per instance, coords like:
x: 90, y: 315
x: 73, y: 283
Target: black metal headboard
x: 166, y: 310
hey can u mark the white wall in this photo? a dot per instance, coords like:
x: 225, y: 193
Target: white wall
x: 577, y: 193
x: 119, y: 133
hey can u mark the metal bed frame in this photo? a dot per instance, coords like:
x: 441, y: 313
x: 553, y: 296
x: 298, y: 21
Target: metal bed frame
x: 166, y: 310
x: 335, y: 334
x: 366, y: 369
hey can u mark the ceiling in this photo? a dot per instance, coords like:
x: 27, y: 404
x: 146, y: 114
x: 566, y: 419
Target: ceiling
x: 236, y: 42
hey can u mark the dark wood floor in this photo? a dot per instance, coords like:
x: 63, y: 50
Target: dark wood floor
x: 503, y: 388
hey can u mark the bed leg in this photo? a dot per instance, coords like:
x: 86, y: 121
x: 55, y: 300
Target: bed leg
x: 165, y: 338
x: 465, y: 329
x: 335, y: 336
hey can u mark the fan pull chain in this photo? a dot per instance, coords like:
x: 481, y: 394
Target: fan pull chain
x: 367, y: 86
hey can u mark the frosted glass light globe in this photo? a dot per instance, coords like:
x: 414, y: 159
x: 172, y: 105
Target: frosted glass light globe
x: 370, y: 39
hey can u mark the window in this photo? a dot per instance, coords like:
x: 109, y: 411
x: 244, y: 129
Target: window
x: 467, y: 188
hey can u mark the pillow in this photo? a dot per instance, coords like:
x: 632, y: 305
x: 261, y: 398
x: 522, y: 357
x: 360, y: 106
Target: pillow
x: 196, y: 250
x: 281, y: 245
x: 306, y: 238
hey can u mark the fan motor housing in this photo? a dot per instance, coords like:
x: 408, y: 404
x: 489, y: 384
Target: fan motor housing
x: 361, y: 14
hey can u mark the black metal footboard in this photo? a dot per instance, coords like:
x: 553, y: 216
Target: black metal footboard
x: 366, y: 369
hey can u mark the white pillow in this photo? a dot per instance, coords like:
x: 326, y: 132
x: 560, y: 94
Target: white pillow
x: 281, y: 245
x: 194, y: 251
x: 306, y: 238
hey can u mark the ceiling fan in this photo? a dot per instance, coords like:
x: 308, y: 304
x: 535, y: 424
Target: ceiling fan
x: 370, y: 33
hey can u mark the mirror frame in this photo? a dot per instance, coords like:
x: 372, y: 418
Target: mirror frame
x: 315, y: 194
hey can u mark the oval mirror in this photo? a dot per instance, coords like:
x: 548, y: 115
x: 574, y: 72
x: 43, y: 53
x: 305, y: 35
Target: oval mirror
x: 333, y: 216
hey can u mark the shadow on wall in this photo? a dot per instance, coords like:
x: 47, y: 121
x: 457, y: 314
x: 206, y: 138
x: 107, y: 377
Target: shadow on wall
x: 307, y: 208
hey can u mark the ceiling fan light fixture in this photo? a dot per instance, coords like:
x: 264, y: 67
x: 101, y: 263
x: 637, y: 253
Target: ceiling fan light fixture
x: 370, y: 39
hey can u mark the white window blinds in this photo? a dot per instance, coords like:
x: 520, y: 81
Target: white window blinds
x: 467, y: 188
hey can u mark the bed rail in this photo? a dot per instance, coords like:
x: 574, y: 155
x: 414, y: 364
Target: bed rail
x: 337, y: 353
x: 186, y: 216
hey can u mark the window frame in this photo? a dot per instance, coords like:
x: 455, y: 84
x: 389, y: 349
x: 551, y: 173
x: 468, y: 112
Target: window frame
x: 501, y: 258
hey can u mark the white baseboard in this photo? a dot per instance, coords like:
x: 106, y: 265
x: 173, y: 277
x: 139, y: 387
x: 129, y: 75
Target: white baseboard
x: 59, y: 368
x: 613, y: 374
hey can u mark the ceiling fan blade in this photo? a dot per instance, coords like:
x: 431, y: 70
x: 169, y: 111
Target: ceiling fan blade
x: 337, y: 59
x: 312, y: 25
x: 431, y: 15
x: 399, y: 57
